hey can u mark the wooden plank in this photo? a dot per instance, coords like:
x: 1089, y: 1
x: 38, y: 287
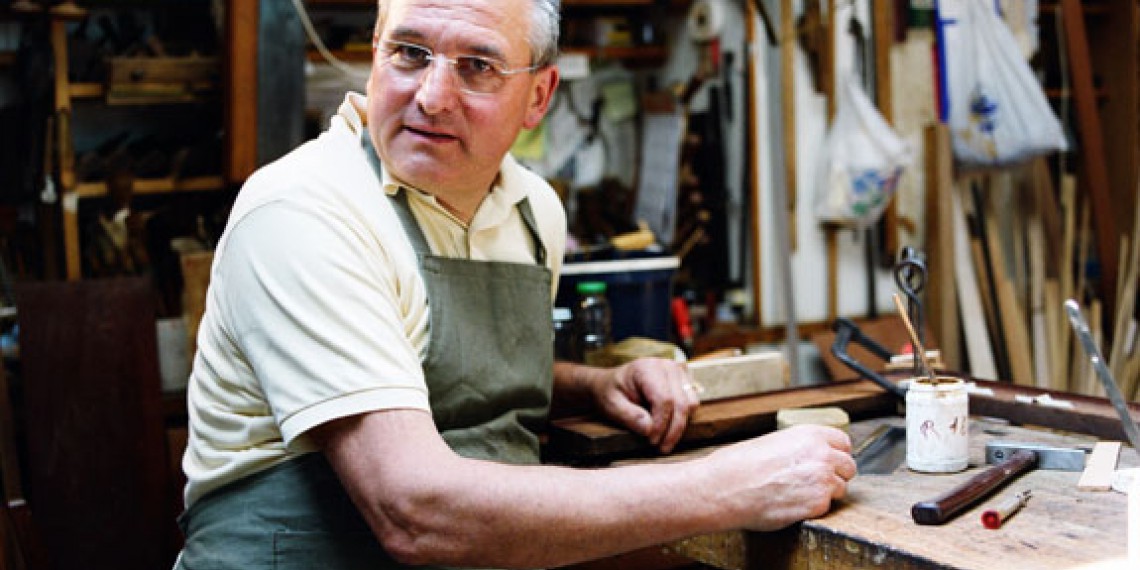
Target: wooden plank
x: 1035, y: 243
x: 1013, y: 322
x: 883, y: 22
x: 970, y: 304
x: 1100, y: 467
x: 241, y: 91
x: 941, y: 301
x: 585, y: 438
x: 97, y: 477
x: 788, y: 47
x: 589, y: 440
x: 753, y: 164
x: 1094, y: 172
x: 1068, y: 241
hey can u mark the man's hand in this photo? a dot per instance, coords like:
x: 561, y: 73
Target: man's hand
x: 653, y: 397
x: 785, y: 476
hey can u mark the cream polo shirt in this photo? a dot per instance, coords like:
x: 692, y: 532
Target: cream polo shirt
x: 316, y: 309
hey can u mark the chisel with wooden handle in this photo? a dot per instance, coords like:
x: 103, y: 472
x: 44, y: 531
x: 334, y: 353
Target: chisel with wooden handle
x: 1011, y: 460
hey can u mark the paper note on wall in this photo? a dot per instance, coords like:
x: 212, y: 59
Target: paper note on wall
x: 658, y: 174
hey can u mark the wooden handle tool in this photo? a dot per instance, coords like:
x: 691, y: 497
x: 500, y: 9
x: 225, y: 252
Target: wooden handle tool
x: 945, y: 507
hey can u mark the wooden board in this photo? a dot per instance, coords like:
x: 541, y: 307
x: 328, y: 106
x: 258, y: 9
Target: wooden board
x: 97, y: 465
x: 970, y: 305
x: 587, y: 439
x: 1094, y: 171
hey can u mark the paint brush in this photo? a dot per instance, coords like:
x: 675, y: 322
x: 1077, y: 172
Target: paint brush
x: 914, y: 338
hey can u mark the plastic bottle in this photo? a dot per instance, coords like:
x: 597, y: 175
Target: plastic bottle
x: 592, y: 319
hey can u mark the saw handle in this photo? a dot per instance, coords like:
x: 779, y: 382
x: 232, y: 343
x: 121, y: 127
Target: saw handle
x: 944, y: 508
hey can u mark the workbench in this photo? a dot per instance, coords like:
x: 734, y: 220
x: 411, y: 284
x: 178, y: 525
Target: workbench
x: 1060, y: 527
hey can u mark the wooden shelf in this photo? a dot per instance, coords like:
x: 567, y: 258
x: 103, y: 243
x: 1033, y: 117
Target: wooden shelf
x: 632, y: 53
x: 156, y: 186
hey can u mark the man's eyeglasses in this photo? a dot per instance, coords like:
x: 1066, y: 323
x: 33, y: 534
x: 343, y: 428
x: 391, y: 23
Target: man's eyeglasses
x: 477, y: 75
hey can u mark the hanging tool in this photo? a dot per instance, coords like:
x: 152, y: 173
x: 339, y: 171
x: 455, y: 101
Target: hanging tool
x: 1102, y: 372
x: 1010, y: 461
x: 910, y: 275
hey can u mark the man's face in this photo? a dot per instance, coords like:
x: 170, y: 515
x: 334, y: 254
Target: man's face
x: 429, y: 132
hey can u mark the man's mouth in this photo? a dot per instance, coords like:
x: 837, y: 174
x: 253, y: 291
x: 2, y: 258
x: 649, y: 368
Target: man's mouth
x: 429, y: 134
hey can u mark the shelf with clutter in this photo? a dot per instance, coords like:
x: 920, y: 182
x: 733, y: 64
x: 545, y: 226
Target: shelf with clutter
x: 138, y: 112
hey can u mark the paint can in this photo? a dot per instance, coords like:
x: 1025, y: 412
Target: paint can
x: 937, y: 425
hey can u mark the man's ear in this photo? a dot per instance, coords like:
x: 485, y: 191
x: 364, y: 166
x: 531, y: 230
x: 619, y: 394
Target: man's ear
x: 541, y: 94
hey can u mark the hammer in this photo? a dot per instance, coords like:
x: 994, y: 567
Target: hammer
x: 1009, y: 461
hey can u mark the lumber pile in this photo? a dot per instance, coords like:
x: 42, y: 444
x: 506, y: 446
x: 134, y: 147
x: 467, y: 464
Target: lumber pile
x: 1023, y: 244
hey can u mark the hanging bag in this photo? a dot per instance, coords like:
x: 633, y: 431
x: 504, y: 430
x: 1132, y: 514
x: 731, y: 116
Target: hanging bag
x: 861, y: 162
x: 998, y: 112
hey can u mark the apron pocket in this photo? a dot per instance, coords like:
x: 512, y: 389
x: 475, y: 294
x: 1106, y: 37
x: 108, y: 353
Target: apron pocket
x: 293, y: 550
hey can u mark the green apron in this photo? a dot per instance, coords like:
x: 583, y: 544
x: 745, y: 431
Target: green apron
x: 489, y: 369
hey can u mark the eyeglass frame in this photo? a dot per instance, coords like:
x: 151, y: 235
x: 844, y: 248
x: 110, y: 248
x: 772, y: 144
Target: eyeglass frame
x: 497, y: 66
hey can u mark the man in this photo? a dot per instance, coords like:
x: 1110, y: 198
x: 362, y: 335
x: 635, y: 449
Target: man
x: 376, y: 353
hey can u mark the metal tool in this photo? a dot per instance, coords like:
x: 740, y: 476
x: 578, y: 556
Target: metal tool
x: 845, y: 332
x: 910, y: 275
x: 993, y: 518
x: 882, y: 452
x: 1012, y: 459
x: 1102, y: 372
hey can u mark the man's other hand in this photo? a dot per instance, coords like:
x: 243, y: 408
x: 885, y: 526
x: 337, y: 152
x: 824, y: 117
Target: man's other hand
x: 653, y: 397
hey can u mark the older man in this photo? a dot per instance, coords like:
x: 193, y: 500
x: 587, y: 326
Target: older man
x: 376, y: 354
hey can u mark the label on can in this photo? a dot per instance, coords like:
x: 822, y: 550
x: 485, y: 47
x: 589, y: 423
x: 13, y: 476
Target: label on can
x: 937, y: 425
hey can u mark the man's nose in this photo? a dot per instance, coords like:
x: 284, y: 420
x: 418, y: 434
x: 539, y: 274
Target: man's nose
x: 439, y: 87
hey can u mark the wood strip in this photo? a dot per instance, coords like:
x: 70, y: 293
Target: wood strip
x: 941, y: 301
x: 241, y: 89
x: 1068, y: 239
x: 788, y: 46
x: 1040, y: 336
x: 883, y: 17
x: 1053, y: 314
x: 1094, y: 172
x: 753, y: 163
x: 970, y: 303
x: 1100, y: 468
x: 1012, y: 316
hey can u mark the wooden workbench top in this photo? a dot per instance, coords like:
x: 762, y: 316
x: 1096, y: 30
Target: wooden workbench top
x: 1060, y: 527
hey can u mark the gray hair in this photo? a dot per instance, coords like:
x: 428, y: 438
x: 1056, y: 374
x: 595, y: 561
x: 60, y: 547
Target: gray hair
x: 543, y: 36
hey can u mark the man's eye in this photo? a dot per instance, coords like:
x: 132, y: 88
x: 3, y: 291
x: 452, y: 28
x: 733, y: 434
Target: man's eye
x: 477, y: 66
x: 413, y: 55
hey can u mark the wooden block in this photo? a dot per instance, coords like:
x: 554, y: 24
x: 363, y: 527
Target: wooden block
x: 1100, y: 467
x: 746, y: 375
x: 828, y: 416
x: 195, y: 283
